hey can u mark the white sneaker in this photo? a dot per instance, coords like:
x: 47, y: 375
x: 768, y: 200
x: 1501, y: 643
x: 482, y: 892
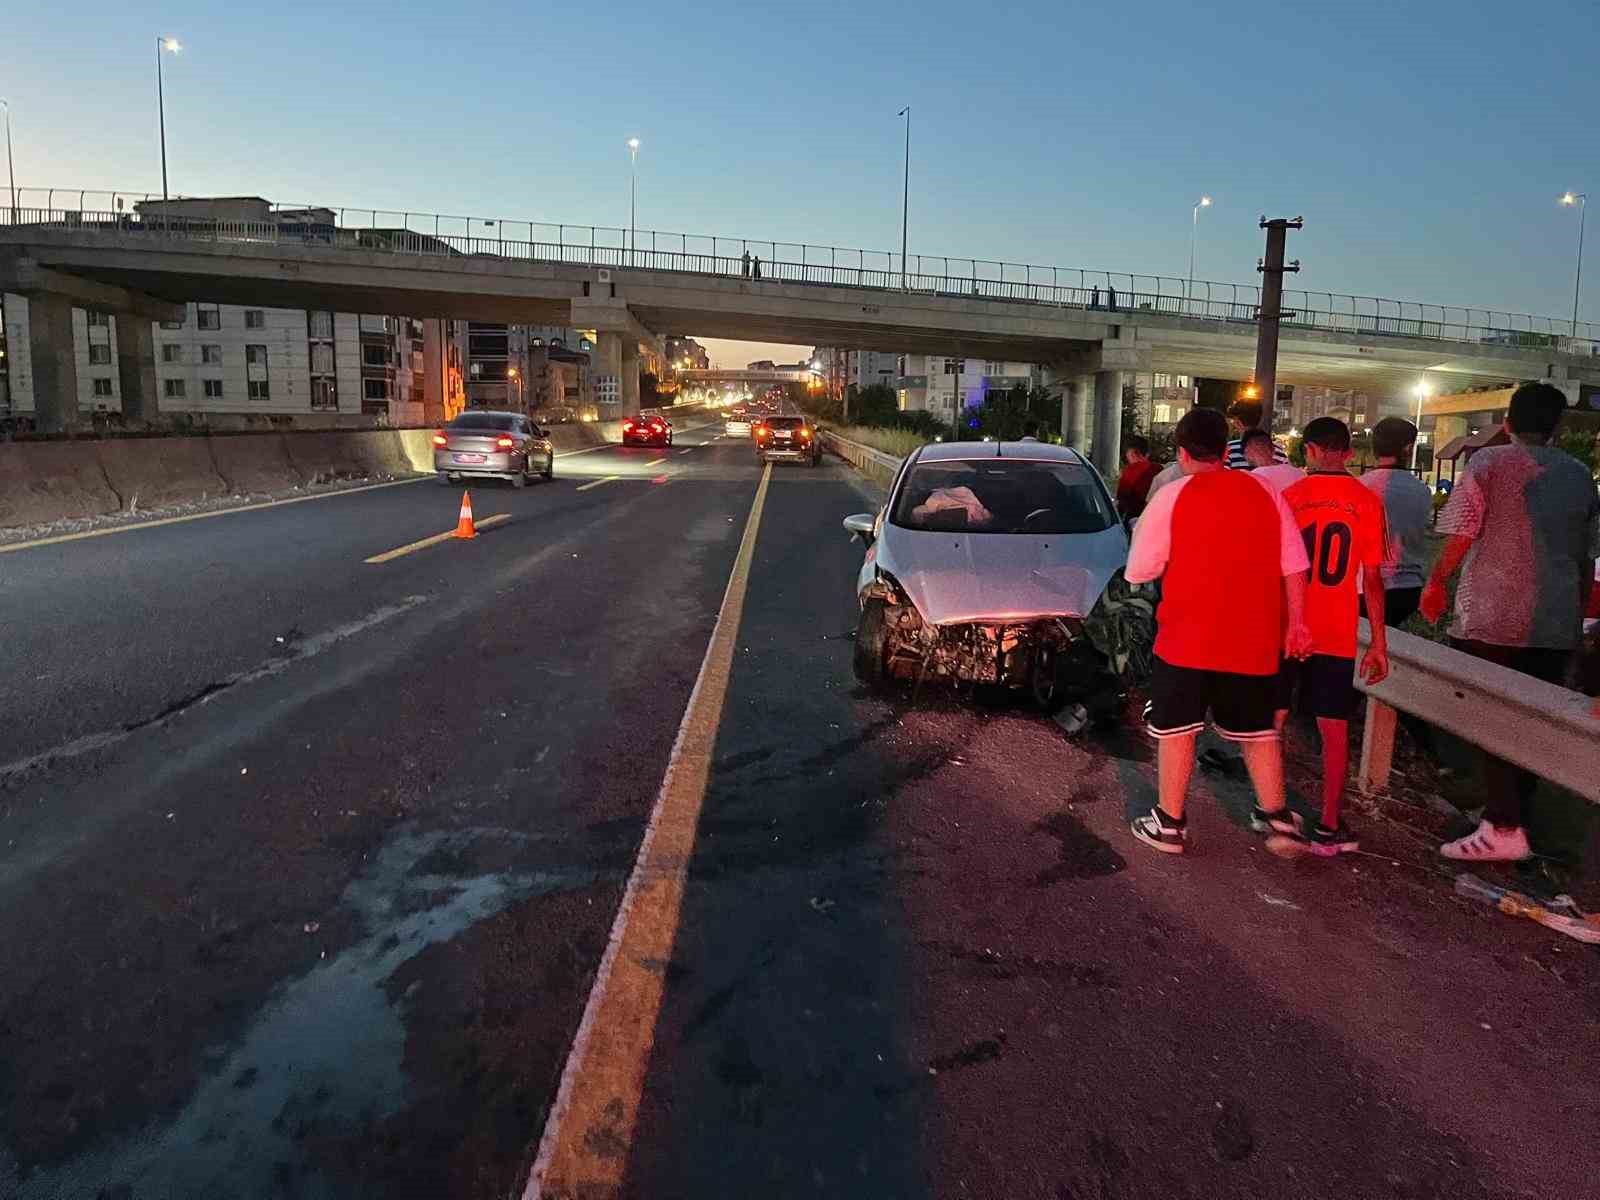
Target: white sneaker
x: 1489, y: 844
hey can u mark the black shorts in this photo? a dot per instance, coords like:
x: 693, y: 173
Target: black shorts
x: 1327, y: 686
x: 1241, y: 706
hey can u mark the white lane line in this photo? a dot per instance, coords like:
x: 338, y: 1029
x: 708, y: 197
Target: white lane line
x: 691, y: 448
x: 584, y: 487
x: 205, y: 516
x: 655, y: 462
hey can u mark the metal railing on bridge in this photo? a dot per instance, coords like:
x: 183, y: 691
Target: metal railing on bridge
x: 420, y: 234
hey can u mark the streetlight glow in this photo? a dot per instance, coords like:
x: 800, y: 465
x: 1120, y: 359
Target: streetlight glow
x: 1581, y: 200
x: 171, y: 44
x: 1205, y: 201
x: 1569, y: 199
x: 633, y: 144
x: 1194, y: 232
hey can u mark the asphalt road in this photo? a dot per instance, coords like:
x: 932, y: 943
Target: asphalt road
x: 307, y: 865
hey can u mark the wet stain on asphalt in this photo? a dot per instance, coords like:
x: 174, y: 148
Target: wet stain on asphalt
x: 1083, y: 855
x: 971, y: 1055
x: 1232, y: 1135
x: 990, y: 964
x: 711, y: 1007
x: 734, y: 762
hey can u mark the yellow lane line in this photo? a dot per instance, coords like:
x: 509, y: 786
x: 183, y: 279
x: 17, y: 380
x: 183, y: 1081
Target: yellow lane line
x: 655, y: 462
x: 584, y: 1148
x: 205, y: 516
x: 584, y: 487
x: 398, y: 551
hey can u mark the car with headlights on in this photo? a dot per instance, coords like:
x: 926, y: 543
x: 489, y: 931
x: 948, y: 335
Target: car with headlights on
x: 495, y: 445
x: 1000, y: 564
x: 736, y: 423
x: 787, y: 439
x: 649, y: 428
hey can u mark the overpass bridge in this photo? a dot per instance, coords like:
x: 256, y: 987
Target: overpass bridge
x: 1086, y: 327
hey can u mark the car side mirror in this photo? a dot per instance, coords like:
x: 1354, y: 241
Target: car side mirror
x: 861, y: 525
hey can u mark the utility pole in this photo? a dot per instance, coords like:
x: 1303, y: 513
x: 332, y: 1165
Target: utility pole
x: 905, y: 197
x: 1272, y: 268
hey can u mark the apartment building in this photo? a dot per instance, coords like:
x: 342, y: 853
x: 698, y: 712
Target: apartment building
x: 945, y: 386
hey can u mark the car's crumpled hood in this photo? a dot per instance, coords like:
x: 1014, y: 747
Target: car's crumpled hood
x: 957, y: 578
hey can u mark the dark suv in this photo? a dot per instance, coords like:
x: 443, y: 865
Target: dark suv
x: 787, y: 437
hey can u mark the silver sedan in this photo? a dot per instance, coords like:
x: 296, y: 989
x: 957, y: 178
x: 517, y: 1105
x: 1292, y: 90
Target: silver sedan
x: 499, y: 445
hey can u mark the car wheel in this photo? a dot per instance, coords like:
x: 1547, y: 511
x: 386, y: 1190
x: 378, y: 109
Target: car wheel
x: 871, y: 658
x: 549, y: 471
x: 520, y: 479
x: 444, y: 479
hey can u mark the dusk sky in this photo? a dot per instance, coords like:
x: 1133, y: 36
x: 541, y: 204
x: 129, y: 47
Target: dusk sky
x: 1425, y: 143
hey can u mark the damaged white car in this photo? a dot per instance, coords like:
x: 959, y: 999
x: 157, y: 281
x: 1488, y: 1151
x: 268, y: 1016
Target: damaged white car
x: 1000, y: 563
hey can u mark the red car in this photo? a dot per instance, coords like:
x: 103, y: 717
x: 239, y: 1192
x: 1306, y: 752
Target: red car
x: 649, y: 428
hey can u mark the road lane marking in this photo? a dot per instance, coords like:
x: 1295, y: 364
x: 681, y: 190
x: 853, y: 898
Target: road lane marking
x: 691, y: 448
x: 605, y: 1070
x: 413, y: 547
x: 655, y: 462
x: 584, y: 487
x: 220, y: 512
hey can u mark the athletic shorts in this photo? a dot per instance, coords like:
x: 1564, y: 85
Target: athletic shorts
x: 1327, y: 686
x: 1241, y: 706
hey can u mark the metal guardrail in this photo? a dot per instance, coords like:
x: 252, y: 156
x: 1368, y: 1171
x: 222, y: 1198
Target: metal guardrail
x: 411, y: 233
x: 874, y: 464
x: 1539, y: 726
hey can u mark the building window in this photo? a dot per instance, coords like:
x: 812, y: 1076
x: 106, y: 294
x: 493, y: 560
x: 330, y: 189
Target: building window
x: 213, y: 388
x: 171, y: 352
x: 1361, y: 418
x: 99, y: 354
x: 1183, y: 381
x: 96, y: 317
x: 375, y: 356
x: 324, y: 394
x: 102, y: 386
x: 255, y: 355
x: 259, y: 390
x: 375, y: 389
x: 254, y: 318
x: 1163, y: 381
x: 172, y: 324
x: 322, y: 359
x: 209, y: 316
x: 211, y: 355
x: 1163, y: 414
x: 172, y: 389
x: 319, y: 324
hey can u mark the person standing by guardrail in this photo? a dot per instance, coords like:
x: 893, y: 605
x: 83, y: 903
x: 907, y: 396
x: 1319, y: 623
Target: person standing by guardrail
x: 1525, y: 521
x: 1232, y: 570
x: 1342, y: 525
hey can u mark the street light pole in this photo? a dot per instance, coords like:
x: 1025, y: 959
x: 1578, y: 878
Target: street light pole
x: 1194, y: 229
x: 11, y: 169
x: 905, y: 197
x: 1581, y: 199
x: 1421, y: 391
x: 163, y: 43
x: 633, y: 194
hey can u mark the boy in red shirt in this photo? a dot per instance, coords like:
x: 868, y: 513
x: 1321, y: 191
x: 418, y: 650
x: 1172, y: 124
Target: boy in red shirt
x: 1232, y: 570
x: 1342, y: 525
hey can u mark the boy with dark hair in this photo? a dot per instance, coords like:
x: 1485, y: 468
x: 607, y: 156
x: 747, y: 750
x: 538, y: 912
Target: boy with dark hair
x: 1407, y: 510
x: 1343, y: 529
x: 1133, y: 485
x: 1244, y: 415
x: 1232, y: 567
x: 1260, y: 455
x: 1525, y: 521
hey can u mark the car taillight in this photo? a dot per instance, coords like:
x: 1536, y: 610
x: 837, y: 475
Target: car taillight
x: 504, y: 443
x: 439, y: 439
x: 805, y: 433
x: 627, y: 425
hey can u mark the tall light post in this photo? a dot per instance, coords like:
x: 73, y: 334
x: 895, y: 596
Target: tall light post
x: 516, y: 377
x: 11, y: 169
x: 1581, y: 199
x: 1421, y: 392
x: 633, y: 193
x: 905, y: 196
x: 1194, y: 230
x: 164, y: 45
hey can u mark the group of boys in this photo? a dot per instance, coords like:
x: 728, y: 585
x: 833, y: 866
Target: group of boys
x: 1266, y: 570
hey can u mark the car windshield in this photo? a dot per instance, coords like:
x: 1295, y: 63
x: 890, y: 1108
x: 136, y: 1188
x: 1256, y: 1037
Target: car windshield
x: 484, y: 420
x: 785, y: 422
x: 1002, y: 496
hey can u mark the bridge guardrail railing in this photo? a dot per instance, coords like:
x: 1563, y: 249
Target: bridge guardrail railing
x: 875, y: 464
x: 1539, y: 726
x: 802, y: 263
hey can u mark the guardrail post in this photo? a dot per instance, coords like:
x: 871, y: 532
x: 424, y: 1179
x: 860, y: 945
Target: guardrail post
x: 1377, y: 747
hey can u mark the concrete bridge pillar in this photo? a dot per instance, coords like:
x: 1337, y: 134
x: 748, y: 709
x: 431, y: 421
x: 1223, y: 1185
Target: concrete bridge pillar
x: 55, y: 362
x: 1075, y: 395
x: 1107, y: 434
x: 136, y: 369
x: 630, y: 375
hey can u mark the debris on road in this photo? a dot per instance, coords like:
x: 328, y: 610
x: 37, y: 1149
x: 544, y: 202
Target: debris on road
x: 1278, y: 901
x: 822, y: 905
x: 312, y: 926
x: 1570, y: 920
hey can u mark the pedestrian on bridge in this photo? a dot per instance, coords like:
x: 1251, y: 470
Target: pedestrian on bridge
x: 755, y: 267
x: 744, y: 264
x: 1232, y: 570
x: 1523, y: 527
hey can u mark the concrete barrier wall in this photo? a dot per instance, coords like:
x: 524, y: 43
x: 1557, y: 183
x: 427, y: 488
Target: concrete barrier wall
x: 153, y: 472
x: 47, y: 481
x: 52, y: 481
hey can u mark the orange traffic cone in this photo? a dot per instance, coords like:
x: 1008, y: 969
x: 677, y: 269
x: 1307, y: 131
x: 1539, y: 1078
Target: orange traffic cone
x: 464, y: 526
